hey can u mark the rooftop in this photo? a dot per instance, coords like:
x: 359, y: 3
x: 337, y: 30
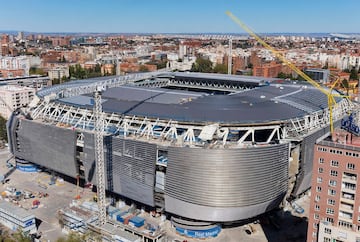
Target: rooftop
x: 259, y: 105
x: 17, y: 212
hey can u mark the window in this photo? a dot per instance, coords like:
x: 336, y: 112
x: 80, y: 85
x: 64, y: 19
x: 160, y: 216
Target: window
x: 330, y: 220
x: 348, y: 185
x: 345, y: 224
x: 333, y: 173
x: 317, y: 207
x: 331, y: 192
x: 321, y: 160
x: 331, y: 202
x: 321, y: 170
x: 350, y: 166
x: 334, y: 163
x: 326, y: 239
x: 315, y: 225
x: 330, y: 211
x: 316, y: 216
x: 317, y: 198
x: 319, y: 180
x: 327, y: 231
x: 332, y: 183
x: 318, y: 189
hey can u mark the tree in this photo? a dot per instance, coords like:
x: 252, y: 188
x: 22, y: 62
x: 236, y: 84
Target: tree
x: 354, y: 74
x: 282, y: 75
x: 220, y: 68
x: 3, y: 132
x: 98, y: 68
x: 143, y: 68
x: 326, y: 66
x: 36, y: 71
x: 19, y: 236
x: 345, y: 84
x: 202, y: 65
x: 72, y: 237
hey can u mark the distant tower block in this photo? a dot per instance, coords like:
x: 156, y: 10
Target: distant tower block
x: 230, y: 57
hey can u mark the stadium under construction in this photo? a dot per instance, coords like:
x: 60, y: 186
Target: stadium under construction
x: 200, y: 147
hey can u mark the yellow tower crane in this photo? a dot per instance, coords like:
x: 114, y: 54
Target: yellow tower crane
x: 328, y: 93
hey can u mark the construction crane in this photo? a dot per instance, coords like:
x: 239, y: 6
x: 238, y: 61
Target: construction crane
x: 99, y: 155
x: 328, y: 93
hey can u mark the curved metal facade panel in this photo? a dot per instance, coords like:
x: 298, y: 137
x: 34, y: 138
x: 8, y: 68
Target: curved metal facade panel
x: 47, y: 145
x: 219, y: 182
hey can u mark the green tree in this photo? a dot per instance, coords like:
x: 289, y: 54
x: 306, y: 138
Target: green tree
x: 143, y: 68
x: 354, y: 74
x: 202, y: 65
x: 64, y: 79
x: 326, y: 66
x: 3, y: 133
x: 345, y: 84
x: 36, y: 71
x: 220, y: 68
x: 19, y: 236
x: 98, y: 68
x: 55, y: 81
x: 282, y: 75
x: 72, y: 237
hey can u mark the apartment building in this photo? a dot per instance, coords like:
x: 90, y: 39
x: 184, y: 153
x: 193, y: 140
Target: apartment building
x: 335, y: 191
x: 13, y: 97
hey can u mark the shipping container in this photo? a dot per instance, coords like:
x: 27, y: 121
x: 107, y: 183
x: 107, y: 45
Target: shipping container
x: 137, y: 221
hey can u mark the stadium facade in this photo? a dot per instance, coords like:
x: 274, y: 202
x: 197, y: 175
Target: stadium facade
x: 207, y: 147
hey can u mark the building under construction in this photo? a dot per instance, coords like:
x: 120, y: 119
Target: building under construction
x: 202, y: 147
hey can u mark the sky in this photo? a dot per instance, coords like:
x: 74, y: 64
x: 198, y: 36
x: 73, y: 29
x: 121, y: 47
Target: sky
x: 180, y: 16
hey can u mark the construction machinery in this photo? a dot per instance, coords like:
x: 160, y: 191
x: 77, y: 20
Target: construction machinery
x: 99, y: 155
x: 328, y: 92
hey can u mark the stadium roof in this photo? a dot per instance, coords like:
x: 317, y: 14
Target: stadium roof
x: 264, y: 104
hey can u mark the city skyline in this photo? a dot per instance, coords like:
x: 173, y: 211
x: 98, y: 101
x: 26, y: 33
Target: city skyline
x: 141, y: 16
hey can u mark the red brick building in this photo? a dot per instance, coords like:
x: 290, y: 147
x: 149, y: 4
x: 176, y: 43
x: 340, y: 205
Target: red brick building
x: 335, y: 191
x: 5, y: 73
x: 238, y: 63
x: 267, y: 70
x: 255, y: 60
x: 60, y: 41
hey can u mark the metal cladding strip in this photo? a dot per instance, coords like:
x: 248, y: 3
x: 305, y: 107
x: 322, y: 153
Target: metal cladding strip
x: 216, y: 214
x: 227, y: 178
x: 133, y: 169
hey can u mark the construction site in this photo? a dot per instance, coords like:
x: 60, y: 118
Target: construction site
x: 57, y: 207
x: 61, y: 207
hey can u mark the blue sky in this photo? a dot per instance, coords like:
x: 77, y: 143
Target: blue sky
x: 180, y: 16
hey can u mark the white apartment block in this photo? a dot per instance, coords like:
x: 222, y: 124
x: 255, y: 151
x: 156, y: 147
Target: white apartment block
x: 329, y: 233
x: 13, y: 97
x: 58, y: 73
x: 15, y: 63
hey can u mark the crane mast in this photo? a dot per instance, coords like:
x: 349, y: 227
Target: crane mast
x: 230, y: 57
x: 99, y: 157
